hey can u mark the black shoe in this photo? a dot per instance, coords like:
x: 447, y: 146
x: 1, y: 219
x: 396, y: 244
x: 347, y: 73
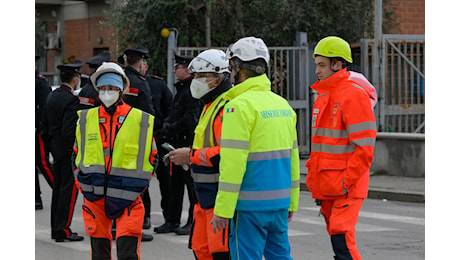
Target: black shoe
x: 38, y: 204
x: 147, y: 224
x: 71, y: 238
x: 185, y: 230
x: 166, y: 228
x: 146, y: 237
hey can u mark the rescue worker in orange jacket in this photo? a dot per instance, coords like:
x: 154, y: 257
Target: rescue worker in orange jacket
x: 211, y: 82
x: 343, y: 139
x: 115, y: 159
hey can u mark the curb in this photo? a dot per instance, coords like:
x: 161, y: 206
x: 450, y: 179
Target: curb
x: 385, y: 194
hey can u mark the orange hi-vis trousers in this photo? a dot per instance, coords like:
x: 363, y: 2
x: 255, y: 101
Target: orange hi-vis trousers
x: 341, y: 216
x: 99, y: 227
x: 203, y: 241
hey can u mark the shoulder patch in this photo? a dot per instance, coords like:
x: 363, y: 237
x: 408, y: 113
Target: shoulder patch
x: 86, y: 101
x: 132, y: 91
x: 139, y: 76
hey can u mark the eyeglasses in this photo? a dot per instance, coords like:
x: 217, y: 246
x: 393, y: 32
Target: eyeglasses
x: 107, y: 87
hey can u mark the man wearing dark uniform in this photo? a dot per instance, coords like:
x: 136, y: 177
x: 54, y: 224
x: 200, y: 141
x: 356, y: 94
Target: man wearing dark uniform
x: 138, y: 96
x: 59, y: 126
x: 88, y: 94
x: 42, y: 90
x: 178, y: 130
x: 162, y: 105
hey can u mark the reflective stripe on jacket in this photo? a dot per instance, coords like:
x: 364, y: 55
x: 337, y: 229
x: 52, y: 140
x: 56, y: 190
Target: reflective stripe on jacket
x: 259, y: 167
x: 206, y: 144
x: 343, y: 139
x: 128, y: 170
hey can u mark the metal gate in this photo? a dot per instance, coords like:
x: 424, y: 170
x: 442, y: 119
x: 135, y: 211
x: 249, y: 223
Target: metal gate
x: 402, y: 74
x: 287, y: 72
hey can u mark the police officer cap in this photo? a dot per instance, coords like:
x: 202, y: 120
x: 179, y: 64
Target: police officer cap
x: 138, y: 51
x: 97, y: 60
x: 182, y: 59
x: 74, y: 66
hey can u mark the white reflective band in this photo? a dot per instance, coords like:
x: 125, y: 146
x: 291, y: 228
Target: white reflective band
x: 236, y: 144
x: 122, y: 194
x: 335, y: 149
x: 369, y: 125
x: 98, y: 190
x: 330, y: 132
x: 278, y: 154
x: 364, y: 142
x: 229, y: 187
x: 265, y: 195
x: 205, y: 177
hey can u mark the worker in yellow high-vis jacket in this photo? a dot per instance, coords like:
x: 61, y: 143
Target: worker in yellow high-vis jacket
x: 259, y: 167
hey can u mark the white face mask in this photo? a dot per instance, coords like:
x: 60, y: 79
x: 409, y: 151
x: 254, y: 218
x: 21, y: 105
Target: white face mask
x: 199, y: 87
x: 109, y: 97
x: 78, y: 85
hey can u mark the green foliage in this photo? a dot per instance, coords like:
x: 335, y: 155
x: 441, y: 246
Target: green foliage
x: 139, y: 22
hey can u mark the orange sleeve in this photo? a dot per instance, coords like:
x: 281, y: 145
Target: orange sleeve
x: 207, y: 155
x: 362, y: 132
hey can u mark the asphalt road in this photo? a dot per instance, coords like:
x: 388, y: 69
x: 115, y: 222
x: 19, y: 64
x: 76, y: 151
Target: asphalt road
x: 385, y: 230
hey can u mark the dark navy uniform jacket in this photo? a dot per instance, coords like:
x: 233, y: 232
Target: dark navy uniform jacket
x: 162, y: 99
x: 42, y: 90
x: 138, y: 95
x: 60, y: 119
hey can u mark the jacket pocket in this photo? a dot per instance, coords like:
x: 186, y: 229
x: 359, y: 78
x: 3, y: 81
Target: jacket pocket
x: 331, y: 177
x: 129, y: 157
x: 90, y: 220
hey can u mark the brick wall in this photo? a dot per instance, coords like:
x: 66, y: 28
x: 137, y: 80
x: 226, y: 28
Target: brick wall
x: 81, y: 40
x: 410, y: 16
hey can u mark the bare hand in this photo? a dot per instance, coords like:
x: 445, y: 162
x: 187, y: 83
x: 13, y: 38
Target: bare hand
x: 180, y: 156
x: 219, y: 223
x: 290, y: 215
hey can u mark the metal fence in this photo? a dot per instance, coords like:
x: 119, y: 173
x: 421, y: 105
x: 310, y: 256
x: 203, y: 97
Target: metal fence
x: 401, y: 105
x: 287, y: 72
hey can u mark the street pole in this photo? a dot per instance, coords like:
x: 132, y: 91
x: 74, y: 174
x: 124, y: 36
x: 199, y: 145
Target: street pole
x: 171, y: 50
x: 380, y: 115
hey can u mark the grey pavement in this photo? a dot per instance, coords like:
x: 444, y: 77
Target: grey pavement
x: 385, y: 187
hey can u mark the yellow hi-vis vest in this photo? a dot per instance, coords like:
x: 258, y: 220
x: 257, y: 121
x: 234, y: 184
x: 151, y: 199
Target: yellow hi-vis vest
x: 259, y: 166
x: 130, y: 171
x: 206, y: 179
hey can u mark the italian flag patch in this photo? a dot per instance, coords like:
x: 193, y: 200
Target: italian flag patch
x: 230, y: 110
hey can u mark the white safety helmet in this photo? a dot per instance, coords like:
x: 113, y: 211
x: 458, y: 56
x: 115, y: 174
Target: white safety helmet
x: 248, y: 49
x: 109, y: 67
x: 212, y: 60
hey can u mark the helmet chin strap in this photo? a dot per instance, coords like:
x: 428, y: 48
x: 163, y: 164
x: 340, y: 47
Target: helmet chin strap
x: 236, y: 77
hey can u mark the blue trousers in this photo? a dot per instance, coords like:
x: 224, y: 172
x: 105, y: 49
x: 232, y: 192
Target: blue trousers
x: 258, y: 233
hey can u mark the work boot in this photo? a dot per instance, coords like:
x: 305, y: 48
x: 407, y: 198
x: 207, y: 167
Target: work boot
x: 146, y: 237
x: 147, y: 224
x: 38, y: 204
x: 185, y: 230
x: 166, y: 228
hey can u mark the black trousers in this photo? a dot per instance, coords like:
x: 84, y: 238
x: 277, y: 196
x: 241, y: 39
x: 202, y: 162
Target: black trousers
x: 64, y: 192
x: 178, y: 181
x: 42, y: 164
